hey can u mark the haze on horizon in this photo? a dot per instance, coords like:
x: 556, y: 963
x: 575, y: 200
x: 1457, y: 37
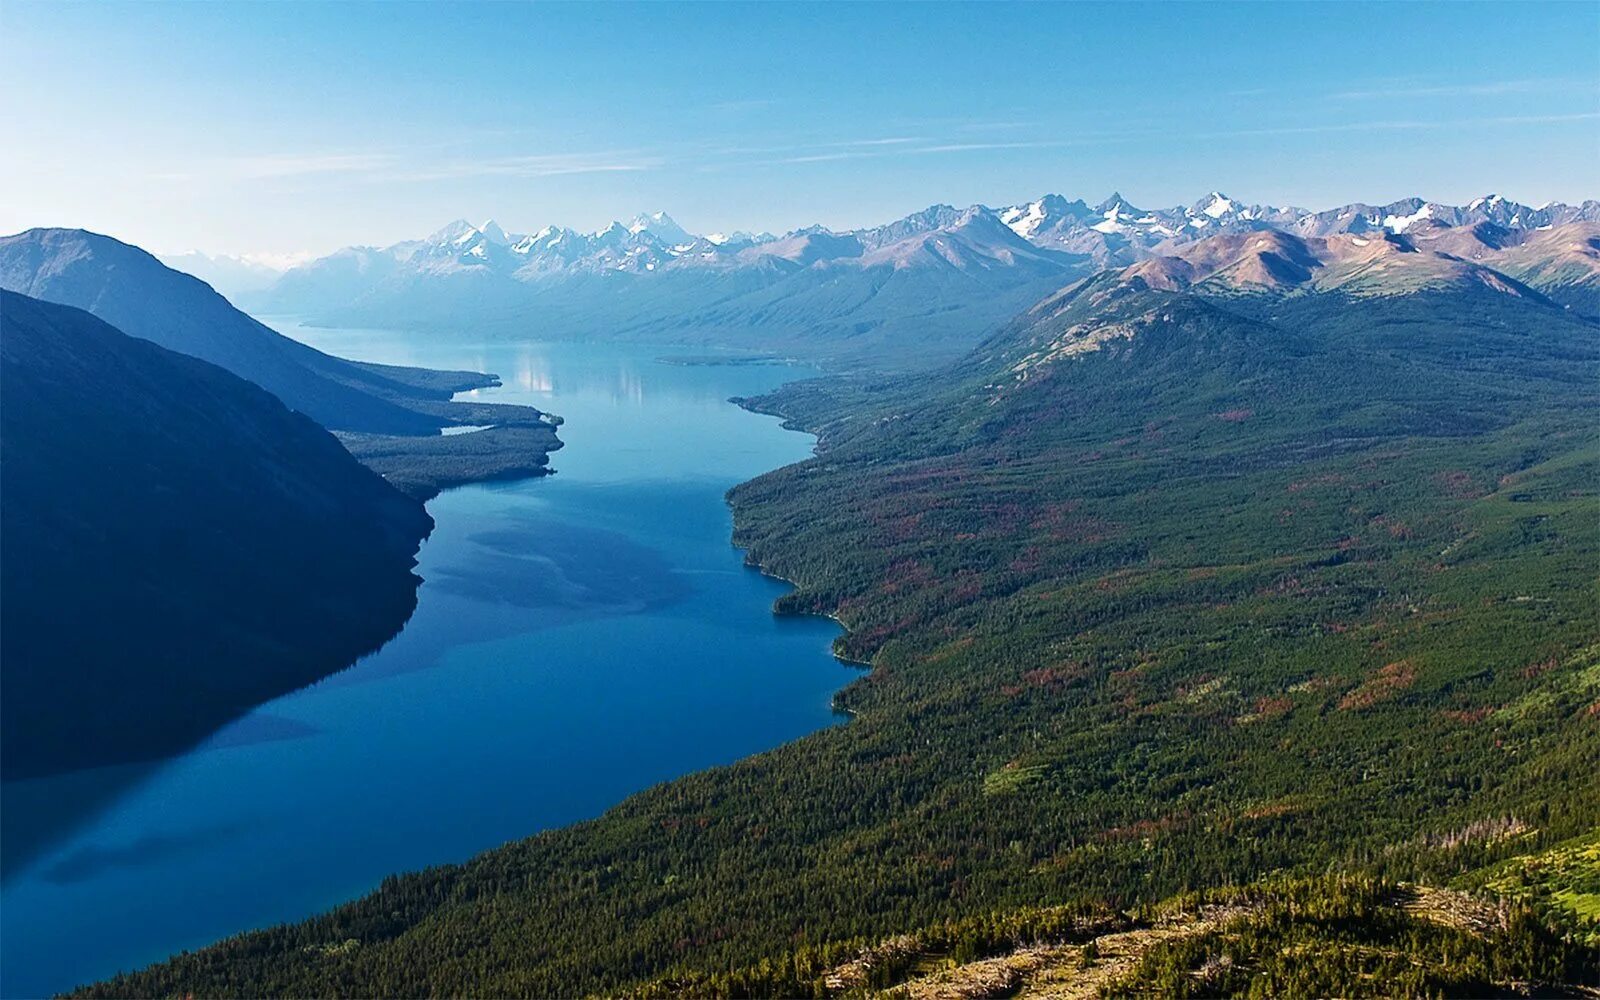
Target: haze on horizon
x: 286, y: 128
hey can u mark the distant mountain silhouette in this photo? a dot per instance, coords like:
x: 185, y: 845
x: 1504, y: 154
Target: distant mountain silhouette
x: 907, y: 294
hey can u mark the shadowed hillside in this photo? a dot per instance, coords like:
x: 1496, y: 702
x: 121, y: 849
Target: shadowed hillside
x: 178, y: 546
x: 390, y: 412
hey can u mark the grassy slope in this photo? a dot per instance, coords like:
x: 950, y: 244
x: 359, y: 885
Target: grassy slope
x: 1224, y: 597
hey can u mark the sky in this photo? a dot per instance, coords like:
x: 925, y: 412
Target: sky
x: 288, y: 128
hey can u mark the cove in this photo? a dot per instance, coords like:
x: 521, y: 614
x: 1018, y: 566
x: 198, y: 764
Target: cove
x: 577, y: 638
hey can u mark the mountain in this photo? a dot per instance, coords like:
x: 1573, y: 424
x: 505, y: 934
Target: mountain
x: 1268, y: 616
x: 1409, y: 213
x: 931, y: 279
x: 388, y: 416
x: 1383, y: 263
x: 911, y: 293
x: 177, y: 546
x: 230, y: 275
x: 130, y: 289
x: 1562, y: 260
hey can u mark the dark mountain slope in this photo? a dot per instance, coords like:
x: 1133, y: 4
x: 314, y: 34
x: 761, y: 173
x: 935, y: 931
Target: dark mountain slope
x: 136, y: 293
x: 178, y: 546
x: 389, y: 416
x: 1157, y: 596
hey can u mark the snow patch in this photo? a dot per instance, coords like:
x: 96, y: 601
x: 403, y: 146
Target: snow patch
x: 1399, y: 223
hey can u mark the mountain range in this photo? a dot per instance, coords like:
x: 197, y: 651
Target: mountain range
x: 1229, y: 624
x: 913, y: 292
x: 233, y: 274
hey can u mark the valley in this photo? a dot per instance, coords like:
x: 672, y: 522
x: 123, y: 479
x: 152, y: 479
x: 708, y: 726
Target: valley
x: 576, y: 638
x: 919, y: 501
x: 1164, y: 590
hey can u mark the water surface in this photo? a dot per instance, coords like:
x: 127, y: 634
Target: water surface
x: 577, y: 638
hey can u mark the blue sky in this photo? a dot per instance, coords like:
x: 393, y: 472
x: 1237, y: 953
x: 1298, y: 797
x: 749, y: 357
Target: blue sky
x: 285, y: 127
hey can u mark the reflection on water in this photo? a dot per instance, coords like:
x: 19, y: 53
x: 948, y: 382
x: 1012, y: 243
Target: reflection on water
x: 576, y: 638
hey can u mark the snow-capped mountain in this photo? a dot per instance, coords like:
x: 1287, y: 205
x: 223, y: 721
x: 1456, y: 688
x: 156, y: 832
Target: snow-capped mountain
x: 942, y: 276
x: 232, y: 274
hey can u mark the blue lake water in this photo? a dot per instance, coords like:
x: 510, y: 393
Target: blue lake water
x: 577, y: 638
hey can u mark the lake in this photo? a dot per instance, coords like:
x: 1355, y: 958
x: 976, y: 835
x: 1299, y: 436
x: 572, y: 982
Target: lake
x: 577, y: 638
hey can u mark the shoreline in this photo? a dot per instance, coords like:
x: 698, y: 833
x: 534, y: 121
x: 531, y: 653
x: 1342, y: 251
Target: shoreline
x: 834, y: 714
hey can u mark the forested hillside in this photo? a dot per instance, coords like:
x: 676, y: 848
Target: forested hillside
x: 178, y: 546
x: 1160, y: 594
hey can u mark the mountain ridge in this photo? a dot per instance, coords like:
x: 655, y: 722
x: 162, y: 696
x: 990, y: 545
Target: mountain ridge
x: 936, y: 279
x: 179, y: 545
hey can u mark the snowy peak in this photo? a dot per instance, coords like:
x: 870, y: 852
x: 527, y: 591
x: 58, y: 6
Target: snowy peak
x: 492, y: 232
x: 1216, y: 206
x: 1116, y: 206
x: 451, y: 233
x: 1049, y: 213
x: 662, y: 227
x: 1050, y: 231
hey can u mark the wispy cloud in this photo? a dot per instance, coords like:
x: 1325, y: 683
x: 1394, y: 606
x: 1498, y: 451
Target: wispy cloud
x: 997, y: 126
x: 968, y: 147
x: 394, y: 166
x: 273, y: 165
x: 1490, y: 88
x: 807, y: 147
x: 821, y: 157
x: 536, y: 165
x: 1410, y: 125
x: 749, y: 104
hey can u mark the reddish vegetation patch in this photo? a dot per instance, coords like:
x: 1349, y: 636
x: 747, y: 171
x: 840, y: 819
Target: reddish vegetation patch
x: 1533, y: 670
x: 1055, y: 514
x: 1390, y: 680
x: 1027, y: 562
x: 968, y: 585
x: 1235, y: 416
x: 1458, y: 483
x: 870, y: 638
x: 1468, y: 716
x: 1271, y: 706
x: 909, y: 572
x: 1145, y: 828
x: 1059, y: 675
x: 905, y: 528
x: 1115, y: 582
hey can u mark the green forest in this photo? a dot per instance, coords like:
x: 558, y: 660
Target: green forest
x: 1163, y: 598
